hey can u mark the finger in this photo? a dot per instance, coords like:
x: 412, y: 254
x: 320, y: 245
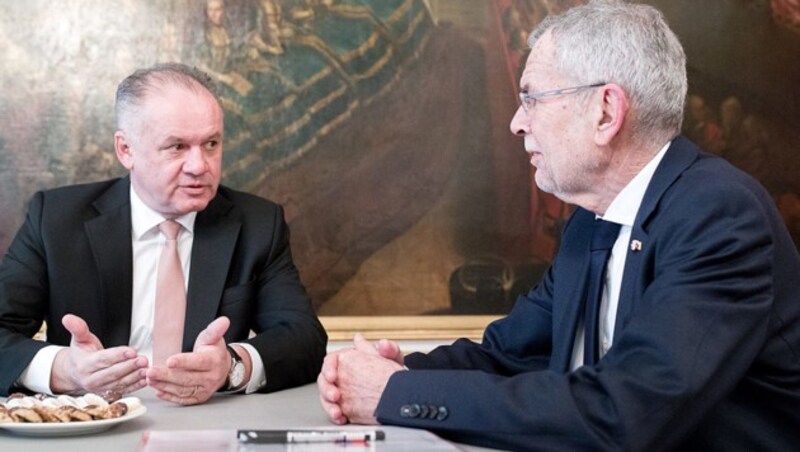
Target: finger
x: 112, y: 371
x: 181, y: 389
x: 190, y: 395
x: 175, y: 380
x: 187, y: 389
x: 158, y: 376
x: 329, y: 367
x: 110, y: 357
x: 390, y: 350
x: 79, y: 330
x: 332, y: 409
x: 334, y: 412
x: 364, y: 345
x: 132, y: 378
x: 193, y: 361
x: 119, y: 366
x: 340, y: 420
x: 112, y: 395
x: 130, y: 383
x: 213, y: 333
x: 327, y: 390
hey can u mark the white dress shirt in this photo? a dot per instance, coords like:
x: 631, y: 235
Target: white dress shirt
x: 147, y: 244
x: 622, y: 210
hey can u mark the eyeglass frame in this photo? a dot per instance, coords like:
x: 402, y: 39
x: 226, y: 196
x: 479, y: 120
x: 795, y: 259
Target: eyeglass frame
x: 525, y: 97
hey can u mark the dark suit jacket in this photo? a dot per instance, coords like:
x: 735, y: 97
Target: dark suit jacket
x: 74, y: 255
x: 706, y: 349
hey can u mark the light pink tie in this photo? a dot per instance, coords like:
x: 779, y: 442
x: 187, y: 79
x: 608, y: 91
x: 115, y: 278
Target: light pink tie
x: 170, y: 297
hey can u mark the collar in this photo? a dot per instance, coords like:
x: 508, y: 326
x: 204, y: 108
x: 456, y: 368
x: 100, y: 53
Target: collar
x: 144, y: 219
x: 625, y: 206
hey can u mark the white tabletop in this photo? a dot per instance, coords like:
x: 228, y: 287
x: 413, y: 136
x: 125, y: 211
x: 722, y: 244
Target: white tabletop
x: 289, y: 409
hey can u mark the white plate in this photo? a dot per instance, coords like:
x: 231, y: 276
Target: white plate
x: 69, y: 428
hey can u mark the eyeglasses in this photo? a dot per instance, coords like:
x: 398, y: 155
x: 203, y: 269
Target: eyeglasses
x: 529, y: 99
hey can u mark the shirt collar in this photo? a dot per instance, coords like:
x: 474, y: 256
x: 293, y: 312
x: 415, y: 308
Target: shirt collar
x: 144, y: 219
x: 625, y: 206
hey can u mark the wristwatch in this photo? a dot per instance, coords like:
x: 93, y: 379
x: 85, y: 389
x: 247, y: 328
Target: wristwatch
x: 236, y: 374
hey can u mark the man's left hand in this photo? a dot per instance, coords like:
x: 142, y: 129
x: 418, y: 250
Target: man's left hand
x: 362, y: 374
x: 192, y: 378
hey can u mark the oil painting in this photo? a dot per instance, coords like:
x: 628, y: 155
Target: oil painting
x: 381, y: 127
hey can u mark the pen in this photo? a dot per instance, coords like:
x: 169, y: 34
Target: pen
x: 308, y: 436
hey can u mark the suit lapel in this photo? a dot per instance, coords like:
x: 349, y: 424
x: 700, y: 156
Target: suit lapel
x: 680, y: 155
x: 630, y: 278
x: 109, y: 236
x: 215, y: 236
x: 573, y: 284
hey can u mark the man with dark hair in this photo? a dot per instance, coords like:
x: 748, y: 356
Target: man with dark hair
x: 158, y: 278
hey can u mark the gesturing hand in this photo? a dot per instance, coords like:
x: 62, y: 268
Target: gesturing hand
x: 87, y: 367
x: 192, y: 378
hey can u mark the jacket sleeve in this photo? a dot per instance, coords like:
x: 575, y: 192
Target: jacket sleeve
x: 289, y: 337
x: 23, y: 298
x: 700, y: 321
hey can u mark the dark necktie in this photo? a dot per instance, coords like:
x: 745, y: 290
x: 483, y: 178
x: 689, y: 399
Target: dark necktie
x: 603, y: 237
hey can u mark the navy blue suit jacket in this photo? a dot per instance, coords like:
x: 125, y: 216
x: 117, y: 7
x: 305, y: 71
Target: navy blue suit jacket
x: 706, y: 349
x: 73, y: 255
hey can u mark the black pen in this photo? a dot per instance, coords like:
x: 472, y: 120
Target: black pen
x: 308, y: 436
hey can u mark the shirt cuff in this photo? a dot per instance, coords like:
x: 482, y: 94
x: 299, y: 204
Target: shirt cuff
x: 36, y: 377
x: 258, y: 376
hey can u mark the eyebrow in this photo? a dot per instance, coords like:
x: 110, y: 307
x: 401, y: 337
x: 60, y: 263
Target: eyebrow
x: 172, y: 138
x: 526, y: 87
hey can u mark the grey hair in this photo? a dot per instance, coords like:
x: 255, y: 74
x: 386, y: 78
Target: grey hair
x: 611, y: 41
x: 132, y: 91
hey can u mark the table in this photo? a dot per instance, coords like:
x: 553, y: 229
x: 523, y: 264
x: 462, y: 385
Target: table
x: 291, y: 408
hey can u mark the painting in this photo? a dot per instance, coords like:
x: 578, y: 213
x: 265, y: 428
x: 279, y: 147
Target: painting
x: 381, y: 127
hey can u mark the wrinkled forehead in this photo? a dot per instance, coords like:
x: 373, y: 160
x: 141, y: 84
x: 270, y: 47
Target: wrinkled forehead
x: 180, y: 96
x: 540, y: 67
x: 169, y: 103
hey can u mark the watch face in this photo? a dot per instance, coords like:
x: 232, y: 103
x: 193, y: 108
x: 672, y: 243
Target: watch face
x: 237, y: 374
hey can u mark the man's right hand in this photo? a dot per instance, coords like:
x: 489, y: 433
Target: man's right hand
x: 88, y: 367
x: 327, y: 382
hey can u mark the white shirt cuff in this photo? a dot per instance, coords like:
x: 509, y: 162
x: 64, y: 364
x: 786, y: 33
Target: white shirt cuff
x: 36, y: 377
x: 258, y: 376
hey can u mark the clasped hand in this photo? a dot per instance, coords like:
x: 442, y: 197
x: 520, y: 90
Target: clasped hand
x: 186, y: 379
x: 352, y: 380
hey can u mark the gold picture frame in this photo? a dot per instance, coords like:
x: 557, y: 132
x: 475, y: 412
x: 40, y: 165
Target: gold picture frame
x: 443, y: 328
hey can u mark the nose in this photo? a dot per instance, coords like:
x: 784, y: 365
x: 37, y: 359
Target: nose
x: 196, y: 162
x: 520, y: 123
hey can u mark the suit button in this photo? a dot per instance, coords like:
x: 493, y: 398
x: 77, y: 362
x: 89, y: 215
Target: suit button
x: 423, y: 411
x: 442, y: 414
x: 409, y: 410
x: 433, y: 411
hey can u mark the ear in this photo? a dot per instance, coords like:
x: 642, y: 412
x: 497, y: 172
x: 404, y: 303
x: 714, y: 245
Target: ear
x: 614, y: 109
x: 123, y: 150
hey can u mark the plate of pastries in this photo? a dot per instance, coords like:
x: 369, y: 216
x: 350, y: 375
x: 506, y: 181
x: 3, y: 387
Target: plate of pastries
x: 63, y: 415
